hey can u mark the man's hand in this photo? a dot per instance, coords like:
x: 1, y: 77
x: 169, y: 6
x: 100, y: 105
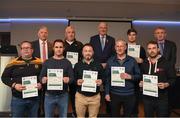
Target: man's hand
x: 80, y: 81
x: 125, y: 76
x: 19, y: 87
x: 162, y: 85
x: 98, y: 82
x: 139, y: 60
x: 108, y: 98
x: 44, y: 80
x: 39, y: 86
x: 141, y: 84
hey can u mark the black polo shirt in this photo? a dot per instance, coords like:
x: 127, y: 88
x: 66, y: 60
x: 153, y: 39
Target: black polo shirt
x: 78, y: 74
x: 76, y: 46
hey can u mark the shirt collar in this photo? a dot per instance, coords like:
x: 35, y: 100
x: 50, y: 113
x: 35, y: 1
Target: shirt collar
x: 161, y: 41
x: 92, y: 60
x: 102, y: 36
x: 40, y: 41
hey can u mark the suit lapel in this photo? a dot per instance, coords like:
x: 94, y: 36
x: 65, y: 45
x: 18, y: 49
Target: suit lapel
x: 165, y: 49
x: 99, y: 43
x: 38, y: 48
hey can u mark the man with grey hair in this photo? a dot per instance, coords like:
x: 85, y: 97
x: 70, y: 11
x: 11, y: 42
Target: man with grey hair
x: 122, y: 71
x: 103, y: 46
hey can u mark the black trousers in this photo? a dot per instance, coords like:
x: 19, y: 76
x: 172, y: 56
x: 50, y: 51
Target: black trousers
x: 155, y: 107
x: 72, y: 92
x: 137, y: 99
x: 127, y: 102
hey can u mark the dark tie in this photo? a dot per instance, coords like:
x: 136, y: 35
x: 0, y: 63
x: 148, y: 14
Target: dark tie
x: 161, y: 46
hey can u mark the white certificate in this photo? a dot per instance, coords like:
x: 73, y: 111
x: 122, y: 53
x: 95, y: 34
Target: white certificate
x: 89, y: 84
x: 55, y: 79
x: 72, y: 57
x: 150, y: 86
x: 31, y: 83
x: 134, y: 50
x: 115, y: 76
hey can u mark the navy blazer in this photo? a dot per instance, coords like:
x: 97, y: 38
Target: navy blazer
x: 36, y: 53
x: 100, y: 55
x: 169, y: 52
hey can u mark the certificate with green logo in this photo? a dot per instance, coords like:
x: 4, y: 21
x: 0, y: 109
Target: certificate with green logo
x: 89, y: 84
x: 72, y: 57
x: 31, y: 83
x: 134, y: 50
x: 55, y: 79
x: 115, y: 76
x: 150, y: 86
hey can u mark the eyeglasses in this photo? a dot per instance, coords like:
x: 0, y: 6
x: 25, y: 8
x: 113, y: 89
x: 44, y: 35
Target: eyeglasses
x: 26, y: 48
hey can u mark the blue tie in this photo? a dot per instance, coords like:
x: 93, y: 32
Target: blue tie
x: 102, y: 42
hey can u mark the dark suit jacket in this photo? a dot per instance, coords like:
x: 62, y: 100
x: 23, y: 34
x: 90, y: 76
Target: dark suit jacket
x: 100, y: 55
x: 36, y: 48
x: 169, y: 52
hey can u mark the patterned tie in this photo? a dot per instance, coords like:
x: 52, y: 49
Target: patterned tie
x: 161, y: 46
x: 44, y: 51
x: 102, y: 42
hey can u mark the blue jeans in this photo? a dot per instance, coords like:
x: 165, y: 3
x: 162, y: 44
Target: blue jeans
x: 24, y: 107
x: 52, y: 100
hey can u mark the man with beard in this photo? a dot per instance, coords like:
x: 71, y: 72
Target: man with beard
x: 157, y: 66
x: 87, y: 99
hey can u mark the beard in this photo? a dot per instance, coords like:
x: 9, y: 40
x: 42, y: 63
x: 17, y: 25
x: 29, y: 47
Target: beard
x: 153, y: 55
x: 88, y: 57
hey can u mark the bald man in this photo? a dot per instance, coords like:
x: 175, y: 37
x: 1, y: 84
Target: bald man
x: 43, y: 50
x: 72, y: 48
x: 42, y: 41
x: 103, y: 46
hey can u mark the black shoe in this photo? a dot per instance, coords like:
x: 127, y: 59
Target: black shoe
x: 74, y: 115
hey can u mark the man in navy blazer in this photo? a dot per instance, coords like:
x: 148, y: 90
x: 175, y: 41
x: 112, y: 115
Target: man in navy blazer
x: 103, y: 46
x: 168, y: 48
x: 42, y: 36
x: 102, y: 53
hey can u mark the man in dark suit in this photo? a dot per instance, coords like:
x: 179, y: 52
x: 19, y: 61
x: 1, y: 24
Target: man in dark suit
x: 168, y: 48
x: 42, y: 43
x: 42, y: 49
x: 103, y: 46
